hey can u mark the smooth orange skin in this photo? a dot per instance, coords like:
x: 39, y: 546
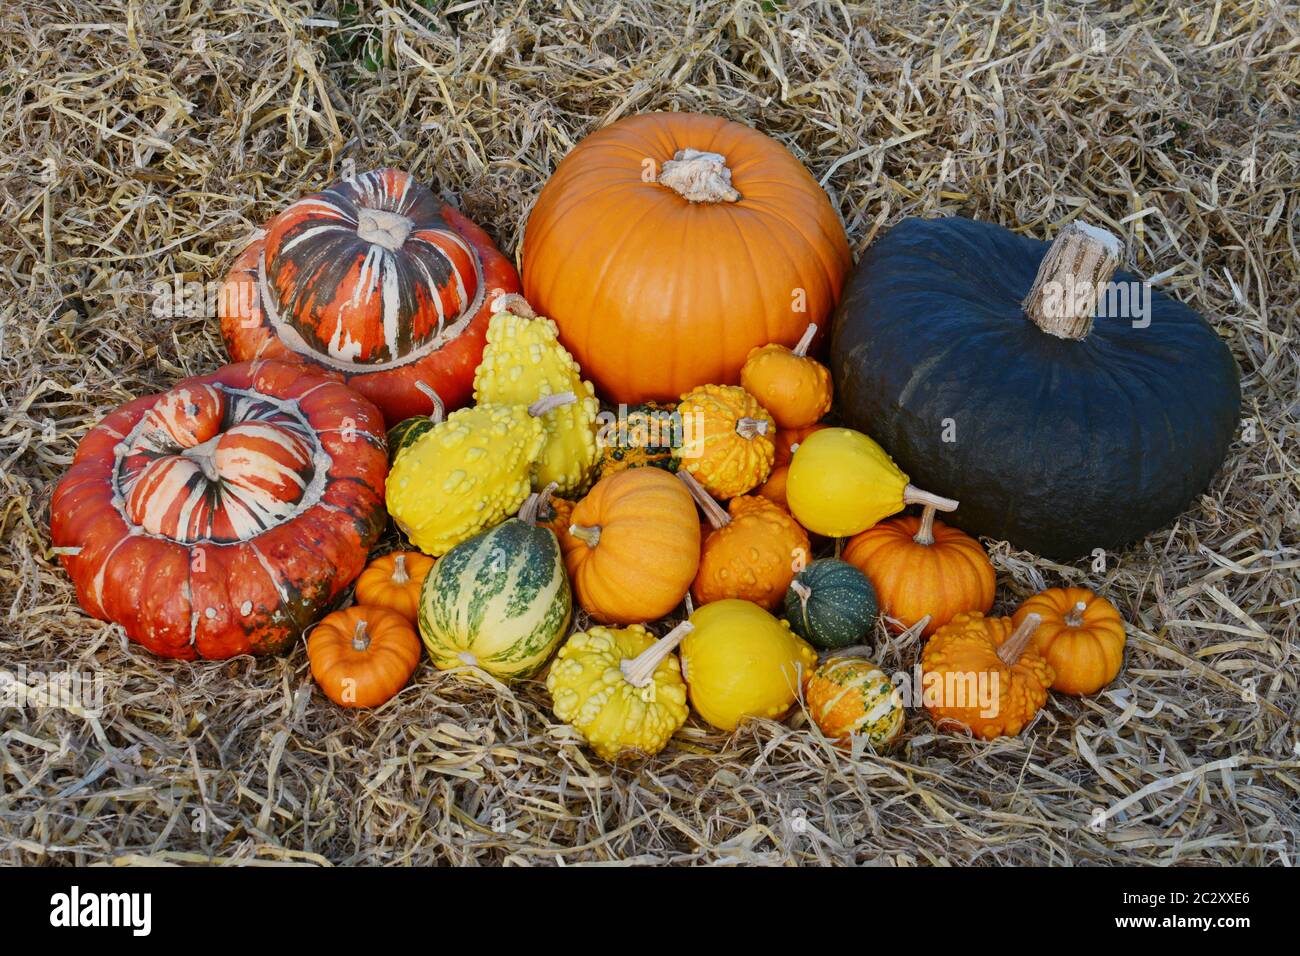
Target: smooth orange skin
x: 795, y: 389
x: 774, y: 488
x: 368, y: 678
x: 786, y: 439
x: 648, y: 551
x: 377, y: 588
x: 912, y: 580
x: 752, y: 558
x: 655, y: 295
x: 1085, y: 657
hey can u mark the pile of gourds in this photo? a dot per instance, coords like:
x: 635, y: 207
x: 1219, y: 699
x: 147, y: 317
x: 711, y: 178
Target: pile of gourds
x: 767, y: 542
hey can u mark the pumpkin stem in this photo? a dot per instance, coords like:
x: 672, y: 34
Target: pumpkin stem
x: 204, y: 456
x: 640, y: 670
x: 546, y: 404
x: 1063, y: 298
x: 536, y: 502
x: 925, y: 534
x: 913, y: 495
x: 699, y: 177
x: 360, y: 639
x: 749, y: 427
x: 1075, y: 617
x: 439, y: 411
x: 714, y: 513
x: 514, y: 303
x: 383, y: 228
x: 801, y: 349
x: 399, y: 570
x: 588, y: 535
x: 804, y: 592
x: 1015, y: 645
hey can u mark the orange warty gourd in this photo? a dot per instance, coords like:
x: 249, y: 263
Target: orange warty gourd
x: 983, y: 673
x: 632, y: 546
x: 394, y: 581
x: 787, y: 440
x: 794, y: 388
x: 921, y: 566
x: 751, y: 553
x: 1081, y: 636
x: 666, y: 246
x: 362, y: 656
x: 727, y: 444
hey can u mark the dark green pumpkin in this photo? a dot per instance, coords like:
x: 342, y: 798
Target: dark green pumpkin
x: 831, y: 604
x: 1057, y: 445
x: 405, y: 433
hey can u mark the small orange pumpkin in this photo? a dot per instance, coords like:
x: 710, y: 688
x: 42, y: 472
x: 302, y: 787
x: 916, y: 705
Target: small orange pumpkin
x: 921, y: 566
x: 394, y: 581
x: 1082, y: 637
x: 787, y: 440
x: 727, y: 439
x: 794, y: 388
x: 362, y: 656
x: 983, y: 673
x: 751, y: 553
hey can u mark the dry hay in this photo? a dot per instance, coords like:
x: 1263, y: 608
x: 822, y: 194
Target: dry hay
x: 144, y: 140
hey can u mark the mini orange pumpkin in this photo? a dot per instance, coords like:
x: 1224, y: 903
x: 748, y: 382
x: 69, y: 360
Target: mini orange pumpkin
x: 794, y: 388
x: 921, y: 566
x: 632, y: 546
x: 362, y: 656
x: 787, y: 440
x: 752, y: 554
x: 1082, y: 637
x: 727, y: 443
x: 394, y: 581
x: 983, y: 673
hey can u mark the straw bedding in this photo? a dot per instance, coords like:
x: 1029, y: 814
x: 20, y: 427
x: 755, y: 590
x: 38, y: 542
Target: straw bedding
x: 142, y: 141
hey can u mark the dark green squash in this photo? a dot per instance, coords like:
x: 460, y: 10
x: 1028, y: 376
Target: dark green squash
x: 831, y: 604
x: 1060, y: 433
x: 405, y: 433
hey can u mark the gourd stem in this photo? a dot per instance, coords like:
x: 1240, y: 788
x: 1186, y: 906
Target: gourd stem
x: 1071, y: 277
x: 439, y: 410
x: 1075, y: 617
x: 360, y: 638
x: 536, y: 502
x: 640, y: 670
x: 913, y: 495
x: 714, y: 513
x: 804, y: 592
x: 383, y: 228
x: 749, y: 427
x: 1015, y: 645
x: 699, y: 177
x: 588, y: 535
x: 399, y: 570
x: 808, y: 335
x: 925, y: 534
x: 546, y: 404
x: 514, y: 303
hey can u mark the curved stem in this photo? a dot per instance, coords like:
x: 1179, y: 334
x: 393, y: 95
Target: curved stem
x: 360, y: 638
x: 536, y: 502
x: 640, y: 670
x: 809, y: 334
x: 925, y: 534
x: 714, y: 513
x: 1075, y: 616
x: 1015, y: 645
x: 749, y: 427
x: 549, y: 402
x: 699, y: 177
x: 400, y: 575
x: 1063, y: 298
x: 804, y: 592
x: 439, y: 410
x: 913, y: 495
x: 587, y: 534
x: 514, y: 303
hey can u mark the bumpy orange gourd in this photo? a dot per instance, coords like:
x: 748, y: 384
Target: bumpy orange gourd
x: 787, y: 440
x: 983, y: 673
x: 727, y: 443
x: 394, y: 581
x: 1082, y: 637
x: 633, y: 546
x: 921, y: 566
x: 751, y: 553
x: 362, y: 656
x: 794, y: 388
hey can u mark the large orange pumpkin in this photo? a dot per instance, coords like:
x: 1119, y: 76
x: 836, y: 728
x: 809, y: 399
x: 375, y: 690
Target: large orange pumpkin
x: 668, y: 245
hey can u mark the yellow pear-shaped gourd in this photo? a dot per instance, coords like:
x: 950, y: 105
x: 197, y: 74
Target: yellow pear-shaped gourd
x: 841, y: 483
x: 620, y: 688
x: 739, y: 661
x: 524, y: 360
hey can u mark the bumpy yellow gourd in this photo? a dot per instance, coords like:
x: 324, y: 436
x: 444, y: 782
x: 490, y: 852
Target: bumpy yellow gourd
x: 464, y: 475
x: 739, y: 661
x: 620, y: 688
x: 524, y: 360
x: 841, y: 483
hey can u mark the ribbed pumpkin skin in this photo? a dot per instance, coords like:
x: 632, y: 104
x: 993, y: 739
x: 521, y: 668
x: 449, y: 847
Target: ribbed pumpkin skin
x: 656, y: 295
x: 499, y: 601
x: 1061, y: 446
x: 913, y: 580
x: 1085, y: 656
x: 841, y: 608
